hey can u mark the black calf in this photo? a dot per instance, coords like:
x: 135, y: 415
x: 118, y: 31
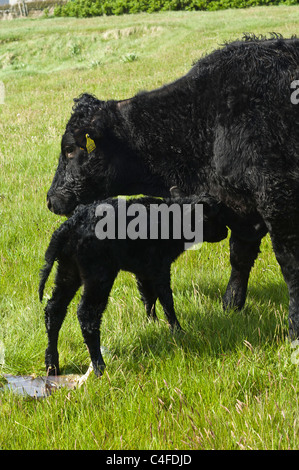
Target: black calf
x: 85, y: 259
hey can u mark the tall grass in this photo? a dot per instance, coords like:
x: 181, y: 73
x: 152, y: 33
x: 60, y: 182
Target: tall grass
x: 229, y: 381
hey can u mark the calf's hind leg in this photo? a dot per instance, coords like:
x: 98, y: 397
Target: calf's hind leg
x: 148, y: 296
x: 67, y: 282
x: 164, y: 292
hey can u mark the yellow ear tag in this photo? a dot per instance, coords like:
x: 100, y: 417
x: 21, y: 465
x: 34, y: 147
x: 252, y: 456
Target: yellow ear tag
x: 90, y: 145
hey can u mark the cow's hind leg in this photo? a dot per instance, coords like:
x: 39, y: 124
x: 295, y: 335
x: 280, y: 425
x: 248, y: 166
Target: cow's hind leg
x: 286, y: 248
x: 67, y: 282
x: 242, y: 258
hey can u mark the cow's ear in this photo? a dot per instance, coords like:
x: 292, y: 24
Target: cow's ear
x: 85, y: 138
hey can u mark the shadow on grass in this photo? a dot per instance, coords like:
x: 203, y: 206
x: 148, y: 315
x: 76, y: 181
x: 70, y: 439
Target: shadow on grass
x: 274, y: 291
x: 208, y: 330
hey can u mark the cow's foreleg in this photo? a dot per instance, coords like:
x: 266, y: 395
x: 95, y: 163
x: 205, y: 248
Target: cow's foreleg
x: 242, y: 257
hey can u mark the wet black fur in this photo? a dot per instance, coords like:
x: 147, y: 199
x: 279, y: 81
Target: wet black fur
x: 228, y: 128
x: 84, y: 259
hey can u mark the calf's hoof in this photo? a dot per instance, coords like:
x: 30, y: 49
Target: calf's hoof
x: 53, y: 370
x: 176, y: 328
x: 98, y: 369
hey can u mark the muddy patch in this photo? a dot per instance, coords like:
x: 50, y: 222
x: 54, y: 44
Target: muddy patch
x: 39, y: 387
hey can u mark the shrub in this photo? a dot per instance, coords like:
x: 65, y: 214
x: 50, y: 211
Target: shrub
x: 85, y: 8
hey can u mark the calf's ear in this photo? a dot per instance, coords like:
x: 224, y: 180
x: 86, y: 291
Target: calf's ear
x: 211, y: 207
x: 176, y: 192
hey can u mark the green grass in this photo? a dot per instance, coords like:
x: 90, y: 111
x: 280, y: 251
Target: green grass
x: 229, y: 382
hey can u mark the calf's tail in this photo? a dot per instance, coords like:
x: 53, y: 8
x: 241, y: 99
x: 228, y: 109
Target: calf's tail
x: 52, y: 253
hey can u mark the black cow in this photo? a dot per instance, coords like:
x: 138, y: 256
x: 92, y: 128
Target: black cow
x: 229, y: 127
x: 87, y: 254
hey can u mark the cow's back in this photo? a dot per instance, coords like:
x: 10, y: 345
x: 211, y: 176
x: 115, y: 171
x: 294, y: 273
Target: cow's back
x: 255, y: 132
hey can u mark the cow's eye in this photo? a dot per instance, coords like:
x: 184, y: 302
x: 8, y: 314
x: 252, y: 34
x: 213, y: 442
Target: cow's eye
x: 69, y: 151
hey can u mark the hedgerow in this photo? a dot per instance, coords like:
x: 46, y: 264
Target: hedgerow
x: 86, y: 8
x: 34, y: 5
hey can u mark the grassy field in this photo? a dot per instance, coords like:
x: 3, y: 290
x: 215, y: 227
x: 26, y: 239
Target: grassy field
x: 230, y: 381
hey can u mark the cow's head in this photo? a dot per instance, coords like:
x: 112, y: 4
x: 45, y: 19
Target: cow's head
x: 81, y: 170
x: 97, y: 159
x: 81, y: 176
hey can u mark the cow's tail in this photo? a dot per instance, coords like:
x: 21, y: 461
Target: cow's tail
x: 56, y: 244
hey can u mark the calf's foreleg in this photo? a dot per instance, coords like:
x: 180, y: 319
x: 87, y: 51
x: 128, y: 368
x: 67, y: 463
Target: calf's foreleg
x: 90, y: 310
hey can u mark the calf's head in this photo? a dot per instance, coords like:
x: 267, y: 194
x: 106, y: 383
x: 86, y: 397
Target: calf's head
x: 214, y: 226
